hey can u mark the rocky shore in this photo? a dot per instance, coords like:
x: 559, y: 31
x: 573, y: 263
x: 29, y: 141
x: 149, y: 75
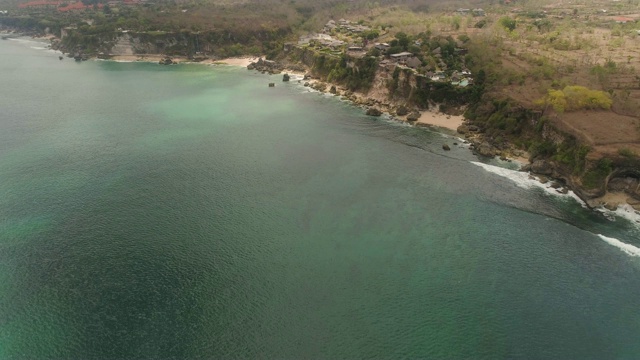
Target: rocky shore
x: 620, y: 191
x: 397, y: 110
x: 542, y: 170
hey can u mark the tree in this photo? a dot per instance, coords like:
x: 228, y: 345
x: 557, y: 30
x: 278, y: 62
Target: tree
x: 403, y: 40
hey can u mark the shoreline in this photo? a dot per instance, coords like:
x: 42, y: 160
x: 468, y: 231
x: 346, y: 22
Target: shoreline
x: 428, y: 118
x: 242, y: 61
x: 440, y: 122
x: 451, y: 122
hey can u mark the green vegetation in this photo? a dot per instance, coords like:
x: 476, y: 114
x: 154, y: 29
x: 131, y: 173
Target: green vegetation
x: 508, y: 23
x: 355, y: 74
x: 573, y: 98
x: 572, y: 154
x: 595, y: 177
x: 626, y: 152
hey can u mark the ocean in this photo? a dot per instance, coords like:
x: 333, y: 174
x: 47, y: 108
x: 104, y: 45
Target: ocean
x: 191, y: 211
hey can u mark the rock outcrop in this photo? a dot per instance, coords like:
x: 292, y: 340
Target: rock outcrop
x: 485, y: 149
x: 320, y: 86
x: 402, y: 110
x: 166, y: 61
x: 414, y: 116
x: 374, y: 112
x: 542, y: 167
x: 266, y: 66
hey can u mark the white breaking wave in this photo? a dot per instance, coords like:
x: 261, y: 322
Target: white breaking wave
x: 628, y: 248
x: 523, y: 180
x: 624, y: 211
x: 27, y: 41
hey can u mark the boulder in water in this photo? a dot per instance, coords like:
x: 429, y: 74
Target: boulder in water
x: 373, y: 112
x: 445, y: 147
x: 286, y: 77
x: 272, y: 84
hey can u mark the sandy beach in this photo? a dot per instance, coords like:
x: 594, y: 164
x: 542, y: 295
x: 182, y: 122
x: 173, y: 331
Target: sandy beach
x: 237, y: 61
x: 143, y: 58
x: 442, y: 120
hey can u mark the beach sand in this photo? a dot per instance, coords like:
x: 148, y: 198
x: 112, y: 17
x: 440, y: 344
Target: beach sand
x: 239, y: 61
x: 143, y: 58
x: 442, y: 120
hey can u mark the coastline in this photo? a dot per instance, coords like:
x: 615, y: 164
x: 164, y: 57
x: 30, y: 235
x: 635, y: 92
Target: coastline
x: 439, y: 119
x: 441, y: 122
x: 155, y: 58
x: 447, y: 124
x: 427, y: 118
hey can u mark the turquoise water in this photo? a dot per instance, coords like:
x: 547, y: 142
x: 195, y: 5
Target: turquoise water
x: 193, y: 212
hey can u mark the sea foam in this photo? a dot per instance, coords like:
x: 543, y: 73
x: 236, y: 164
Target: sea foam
x: 524, y: 180
x: 628, y: 248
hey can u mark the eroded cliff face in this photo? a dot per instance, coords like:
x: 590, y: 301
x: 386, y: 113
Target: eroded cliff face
x: 382, y: 83
x: 597, y: 178
x: 496, y: 126
x: 127, y: 44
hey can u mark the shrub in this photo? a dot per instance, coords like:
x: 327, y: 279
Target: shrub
x: 596, y: 176
x: 626, y: 152
x: 575, y: 97
x: 508, y: 23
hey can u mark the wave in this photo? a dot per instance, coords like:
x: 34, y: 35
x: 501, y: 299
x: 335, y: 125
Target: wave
x: 27, y: 41
x: 628, y: 248
x: 36, y: 44
x: 526, y: 181
x: 624, y: 211
x: 523, y: 180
